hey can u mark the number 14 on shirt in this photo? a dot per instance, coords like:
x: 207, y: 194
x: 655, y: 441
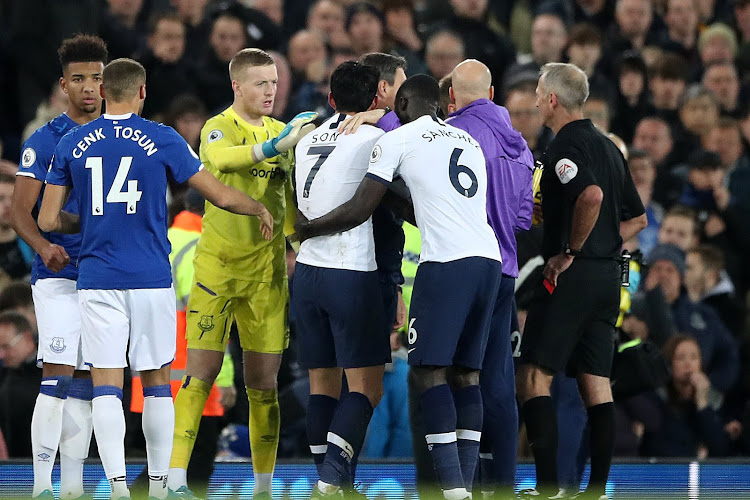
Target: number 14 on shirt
x: 131, y: 197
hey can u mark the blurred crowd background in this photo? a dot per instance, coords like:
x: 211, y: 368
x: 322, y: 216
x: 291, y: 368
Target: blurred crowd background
x: 669, y: 77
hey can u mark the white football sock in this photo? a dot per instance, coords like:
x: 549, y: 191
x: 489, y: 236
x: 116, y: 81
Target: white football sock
x: 177, y: 478
x: 263, y: 483
x: 119, y: 487
x: 46, y: 425
x: 75, y: 441
x: 109, y: 428
x: 158, y: 429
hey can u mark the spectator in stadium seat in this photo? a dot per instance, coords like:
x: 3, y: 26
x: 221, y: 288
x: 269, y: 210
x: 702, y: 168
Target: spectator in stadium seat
x: 211, y: 76
x: 283, y: 86
x: 653, y: 135
x: 632, y: 101
x: 722, y: 79
x: 443, y: 51
x: 35, y: 51
x: 585, y: 51
x: 482, y: 42
x: 123, y: 26
x: 742, y: 28
x: 723, y: 220
x: 308, y: 58
x: 16, y: 296
x: 707, y: 281
x: 327, y: 18
x: 719, y: 350
x: 597, y: 110
x: 632, y: 30
x: 687, y: 425
x: 600, y: 13
x: 680, y: 228
x: 643, y: 172
x: 632, y: 27
x: 400, y: 24
x: 15, y: 254
x: 681, y: 18
x: 717, y: 43
x: 187, y: 115
x: 447, y: 105
x: 726, y: 140
x: 166, y: 68
x: 314, y: 94
x: 20, y: 384
x: 193, y: 14
x: 549, y: 35
x: 272, y: 9
x: 699, y: 112
x: 525, y: 117
x: 366, y: 28
x: 667, y: 83
x: 55, y: 105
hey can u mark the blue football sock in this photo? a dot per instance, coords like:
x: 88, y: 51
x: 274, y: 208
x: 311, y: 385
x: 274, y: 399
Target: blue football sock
x: 320, y: 411
x: 469, y: 416
x: 439, y: 414
x: 345, y: 438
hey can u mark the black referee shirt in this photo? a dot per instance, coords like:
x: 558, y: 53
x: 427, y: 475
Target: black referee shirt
x: 578, y: 157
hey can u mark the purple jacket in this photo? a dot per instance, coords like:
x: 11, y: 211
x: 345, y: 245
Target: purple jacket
x: 389, y: 122
x: 509, y: 171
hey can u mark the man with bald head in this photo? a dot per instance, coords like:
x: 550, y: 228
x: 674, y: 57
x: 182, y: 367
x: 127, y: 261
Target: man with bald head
x: 509, y: 207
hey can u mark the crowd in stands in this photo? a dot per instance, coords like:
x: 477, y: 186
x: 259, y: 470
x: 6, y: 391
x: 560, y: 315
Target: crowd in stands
x: 668, y: 77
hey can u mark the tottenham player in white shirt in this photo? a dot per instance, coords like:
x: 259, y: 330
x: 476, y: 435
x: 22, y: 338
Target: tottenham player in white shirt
x: 459, y: 273
x: 336, y: 295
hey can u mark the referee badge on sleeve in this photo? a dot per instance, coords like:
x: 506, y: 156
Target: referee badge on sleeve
x: 566, y: 170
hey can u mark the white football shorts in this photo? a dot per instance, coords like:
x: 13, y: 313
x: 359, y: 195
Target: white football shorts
x: 59, y: 322
x: 138, y: 326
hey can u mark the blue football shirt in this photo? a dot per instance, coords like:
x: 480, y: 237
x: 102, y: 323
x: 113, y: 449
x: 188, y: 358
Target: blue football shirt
x: 38, y: 151
x: 118, y: 166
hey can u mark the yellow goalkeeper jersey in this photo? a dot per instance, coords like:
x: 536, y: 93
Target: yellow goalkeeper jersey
x: 234, y: 242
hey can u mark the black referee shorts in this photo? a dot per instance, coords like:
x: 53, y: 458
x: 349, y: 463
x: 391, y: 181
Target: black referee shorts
x: 573, y: 328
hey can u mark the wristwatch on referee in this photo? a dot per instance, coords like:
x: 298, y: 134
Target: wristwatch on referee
x: 573, y: 252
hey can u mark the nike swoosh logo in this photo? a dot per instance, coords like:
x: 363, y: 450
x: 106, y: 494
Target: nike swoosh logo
x: 410, y: 350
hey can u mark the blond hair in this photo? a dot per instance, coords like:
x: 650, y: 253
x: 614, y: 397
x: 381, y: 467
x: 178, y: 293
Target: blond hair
x: 248, y: 58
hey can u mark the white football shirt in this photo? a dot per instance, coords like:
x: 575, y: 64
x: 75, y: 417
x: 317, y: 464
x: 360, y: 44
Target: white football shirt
x: 330, y: 167
x: 444, y: 169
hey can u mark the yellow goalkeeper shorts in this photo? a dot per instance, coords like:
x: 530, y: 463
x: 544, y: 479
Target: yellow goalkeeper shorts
x: 261, y: 311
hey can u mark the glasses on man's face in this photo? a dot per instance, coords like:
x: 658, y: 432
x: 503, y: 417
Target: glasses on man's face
x: 9, y: 345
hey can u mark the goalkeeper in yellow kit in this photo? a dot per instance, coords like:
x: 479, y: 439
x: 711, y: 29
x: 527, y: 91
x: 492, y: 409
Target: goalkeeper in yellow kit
x: 238, y: 274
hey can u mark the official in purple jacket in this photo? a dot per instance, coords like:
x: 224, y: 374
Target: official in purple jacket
x: 509, y: 209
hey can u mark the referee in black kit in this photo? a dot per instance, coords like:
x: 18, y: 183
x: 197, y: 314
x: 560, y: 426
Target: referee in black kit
x: 589, y: 205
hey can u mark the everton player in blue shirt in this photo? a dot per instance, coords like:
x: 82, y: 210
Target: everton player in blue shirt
x: 118, y: 166
x: 62, y: 413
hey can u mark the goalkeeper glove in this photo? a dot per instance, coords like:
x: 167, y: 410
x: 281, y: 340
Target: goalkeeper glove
x: 295, y: 130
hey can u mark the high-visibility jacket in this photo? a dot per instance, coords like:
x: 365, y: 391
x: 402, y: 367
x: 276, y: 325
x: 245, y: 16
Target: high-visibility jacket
x: 183, y: 236
x: 410, y: 260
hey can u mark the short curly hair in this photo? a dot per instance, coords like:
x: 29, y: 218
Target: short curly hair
x: 82, y: 48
